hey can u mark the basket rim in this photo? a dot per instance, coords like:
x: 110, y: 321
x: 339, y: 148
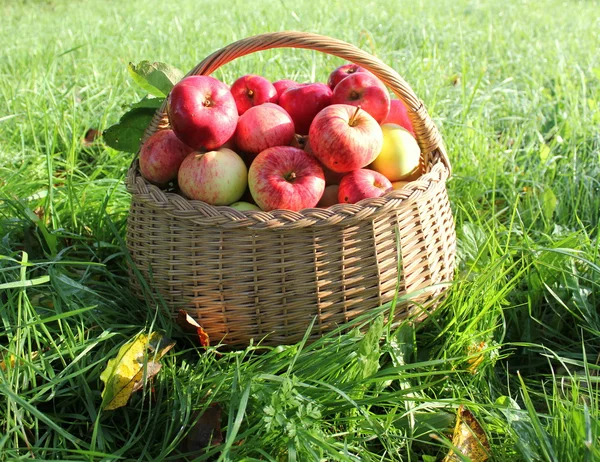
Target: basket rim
x: 176, y: 205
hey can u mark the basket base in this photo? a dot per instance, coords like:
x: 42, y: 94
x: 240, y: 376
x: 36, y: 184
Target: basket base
x: 269, y: 282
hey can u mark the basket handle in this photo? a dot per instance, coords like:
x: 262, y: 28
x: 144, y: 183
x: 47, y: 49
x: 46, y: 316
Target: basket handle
x: 427, y: 134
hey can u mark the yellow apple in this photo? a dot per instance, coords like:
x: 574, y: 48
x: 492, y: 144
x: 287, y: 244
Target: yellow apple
x: 400, y: 155
x: 399, y: 184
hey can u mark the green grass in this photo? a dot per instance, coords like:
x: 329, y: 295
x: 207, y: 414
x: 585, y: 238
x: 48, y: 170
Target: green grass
x: 514, y: 87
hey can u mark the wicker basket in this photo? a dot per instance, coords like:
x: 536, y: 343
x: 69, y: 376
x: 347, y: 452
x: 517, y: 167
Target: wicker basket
x: 247, y: 275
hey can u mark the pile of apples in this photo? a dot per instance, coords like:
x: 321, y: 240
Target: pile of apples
x: 259, y: 145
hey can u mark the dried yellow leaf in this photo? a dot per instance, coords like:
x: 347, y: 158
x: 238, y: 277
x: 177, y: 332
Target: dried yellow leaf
x: 11, y: 360
x: 124, y: 374
x: 469, y: 438
x: 476, y: 351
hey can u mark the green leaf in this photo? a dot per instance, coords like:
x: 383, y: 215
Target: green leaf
x: 544, y: 152
x: 148, y: 102
x: 472, y: 245
x: 25, y: 283
x: 549, y: 203
x: 369, y: 350
x: 402, y: 345
x: 156, y: 78
x: 127, y: 134
x: 423, y: 423
x: 540, y: 434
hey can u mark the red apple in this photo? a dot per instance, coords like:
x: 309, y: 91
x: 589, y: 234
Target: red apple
x: 252, y: 90
x: 229, y: 144
x: 284, y: 177
x: 364, y: 90
x: 161, y: 155
x: 283, y: 84
x: 330, y: 196
x: 361, y: 184
x: 216, y: 177
x: 262, y: 127
x: 331, y: 177
x: 304, y: 102
x: 345, y: 138
x: 202, y: 112
x: 342, y: 72
x: 399, y: 115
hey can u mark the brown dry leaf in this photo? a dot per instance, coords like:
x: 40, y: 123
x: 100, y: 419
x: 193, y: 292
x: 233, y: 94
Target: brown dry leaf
x: 90, y: 136
x: 206, y: 431
x: 152, y: 368
x: 189, y: 325
x: 125, y: 374
x: 40, y: 212
x: 469, y: 438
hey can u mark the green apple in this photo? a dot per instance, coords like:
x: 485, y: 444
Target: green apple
x: 400, y: 155
x: 217, y: 177
x: 242, y: 206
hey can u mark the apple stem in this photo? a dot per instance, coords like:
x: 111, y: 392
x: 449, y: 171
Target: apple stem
x: 290, y: 177
x: 301, y: 140
x: 352, y: 121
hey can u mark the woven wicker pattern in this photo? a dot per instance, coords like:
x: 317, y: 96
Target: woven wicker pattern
x: 246, y: 275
